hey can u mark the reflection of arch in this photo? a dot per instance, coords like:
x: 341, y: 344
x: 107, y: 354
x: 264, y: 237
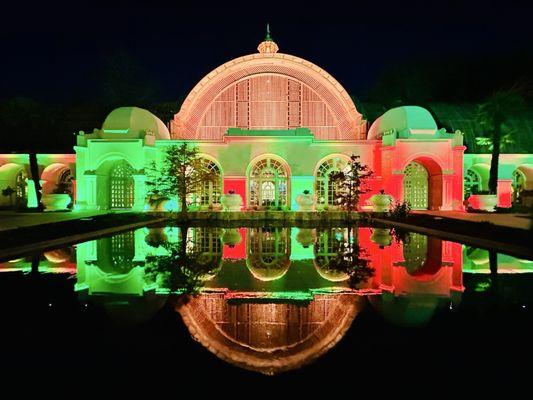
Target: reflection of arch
x: 121, y: 185
x: 268, y: 252
x: 422, y: 184
x: 270, y: 338
x: 251, y: 93
x: 325, y: 187
x: 53, y: 175
x: 329, y: 243
x: 206, y: 244
x: 116, y: 253
x: 522, y: 180
x: 422, y: 255
x: 268, y: 181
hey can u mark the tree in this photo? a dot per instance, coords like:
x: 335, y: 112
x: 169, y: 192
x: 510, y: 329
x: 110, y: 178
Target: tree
x: 182, y: 173
x: 492, y: 115
x: 351, y: 259
x: 183, y: 268
x: 350, y: 183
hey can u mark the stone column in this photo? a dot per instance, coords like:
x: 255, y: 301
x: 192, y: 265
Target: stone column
x: 505, y: 193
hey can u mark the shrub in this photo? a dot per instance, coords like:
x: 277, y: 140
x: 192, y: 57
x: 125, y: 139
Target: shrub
x: 400, y: 210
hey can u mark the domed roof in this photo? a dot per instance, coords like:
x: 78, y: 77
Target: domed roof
x: 133, y: 123
x: 405, y: 120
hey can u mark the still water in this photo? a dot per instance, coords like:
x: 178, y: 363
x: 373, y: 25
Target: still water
x: 258, y: 302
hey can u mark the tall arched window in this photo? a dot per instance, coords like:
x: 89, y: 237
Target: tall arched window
x: 268, y: 183
x: 121, y: 185
x: 326, y: 188
x: 472, y: 183
x: 208, y: 193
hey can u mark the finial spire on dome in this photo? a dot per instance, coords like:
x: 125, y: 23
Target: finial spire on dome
x: 268, y: 38
x: 268, y: 46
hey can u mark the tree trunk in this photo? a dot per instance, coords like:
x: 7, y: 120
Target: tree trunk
x: 493, y: 180
x: 34, y: 169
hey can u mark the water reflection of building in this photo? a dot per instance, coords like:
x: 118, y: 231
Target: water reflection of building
x: 416, y: 277
x: 270, y: 338
x: 268, y: 252
x: 267, y: 310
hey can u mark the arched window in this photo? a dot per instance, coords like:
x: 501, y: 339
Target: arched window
x: 472, y: 183
x: 122, y: 185
x: 268, y: 183
x: 208, y: 192
x: 415, y: 186
x: 326, y: 188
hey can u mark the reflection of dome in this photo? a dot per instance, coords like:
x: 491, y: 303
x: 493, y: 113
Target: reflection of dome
x: 270, y: 338
x: 132, y: 123
x: 57, y: 256
x: 405, y: 120
x: 331, y: 274
x: 268, y: 268
x: 406, y: 311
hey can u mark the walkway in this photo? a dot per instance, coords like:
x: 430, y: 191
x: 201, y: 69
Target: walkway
x: 13, y: 219
x: 518, y: 221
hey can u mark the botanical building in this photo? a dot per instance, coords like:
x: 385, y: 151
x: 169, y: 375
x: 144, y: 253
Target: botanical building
x: 270, y: 125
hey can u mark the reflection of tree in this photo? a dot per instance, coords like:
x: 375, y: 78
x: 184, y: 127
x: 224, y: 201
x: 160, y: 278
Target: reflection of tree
x: 349, y: 257
x: 183, y: 268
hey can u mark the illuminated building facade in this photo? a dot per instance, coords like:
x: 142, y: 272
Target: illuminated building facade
x: 271, y: 125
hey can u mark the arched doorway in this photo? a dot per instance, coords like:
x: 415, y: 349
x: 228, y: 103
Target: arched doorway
x: 121, y: 185
x: 268, y: 183
x: 326, y: 188
x: 208, y: 192
x: 416, y: 186
x: 422, y: 184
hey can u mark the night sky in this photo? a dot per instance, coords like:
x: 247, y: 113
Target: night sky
x: 57, y: 53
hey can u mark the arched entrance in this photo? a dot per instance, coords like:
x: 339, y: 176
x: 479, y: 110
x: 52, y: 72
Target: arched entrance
x: 422, y: 184
x: 268, y: 183
x: 121, y: 185
x: 326, y: 188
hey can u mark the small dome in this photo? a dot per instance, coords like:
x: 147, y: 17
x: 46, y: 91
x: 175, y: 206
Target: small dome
x: 133, y: 123
x: 405, y: 120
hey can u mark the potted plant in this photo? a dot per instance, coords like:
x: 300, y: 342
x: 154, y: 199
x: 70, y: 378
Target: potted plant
x: 231, y: 237
x: 306, y: 237
x: 305, y: 201
x: 59, y: 199
x: 231, y: 201
x: 482, y: 201
x: 381, y: 202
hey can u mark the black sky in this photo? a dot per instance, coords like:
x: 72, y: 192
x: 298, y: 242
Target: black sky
x: 55, y: 51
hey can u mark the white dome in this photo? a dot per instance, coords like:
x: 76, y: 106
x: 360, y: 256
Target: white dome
x: 404, y: 120
x: 132, y: 123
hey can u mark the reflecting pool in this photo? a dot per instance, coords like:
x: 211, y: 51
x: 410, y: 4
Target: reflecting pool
x: 267, y: 301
